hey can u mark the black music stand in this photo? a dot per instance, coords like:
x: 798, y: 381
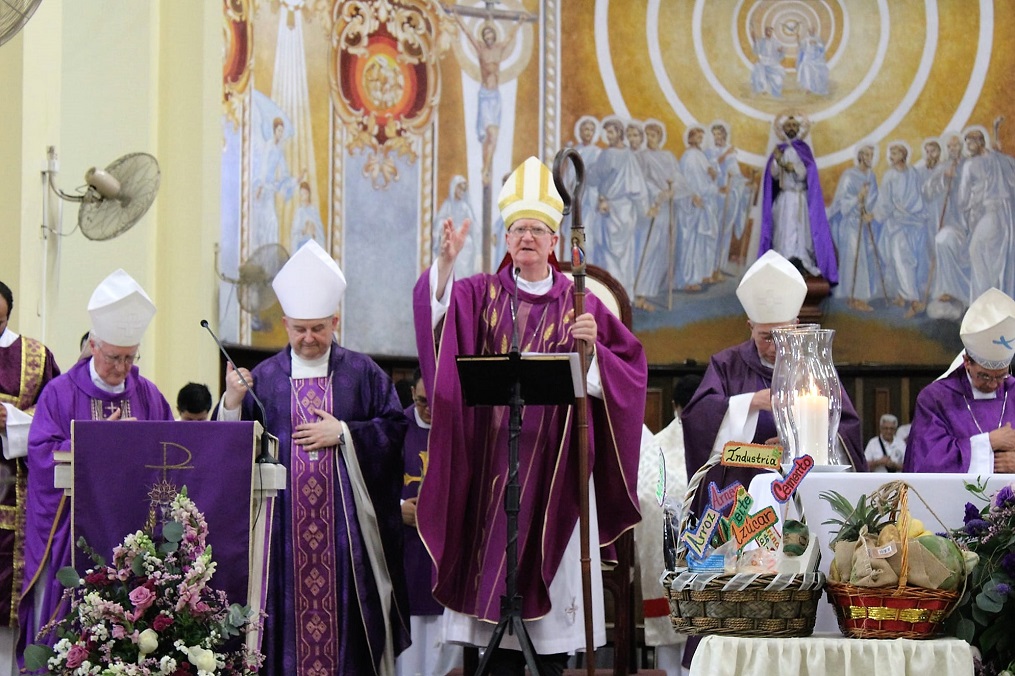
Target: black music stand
x: 513, y: 380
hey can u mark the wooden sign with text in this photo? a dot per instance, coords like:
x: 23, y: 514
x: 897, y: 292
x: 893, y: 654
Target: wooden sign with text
x: 737, y: 454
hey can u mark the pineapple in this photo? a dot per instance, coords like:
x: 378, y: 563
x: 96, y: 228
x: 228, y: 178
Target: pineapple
x: 854, y: 518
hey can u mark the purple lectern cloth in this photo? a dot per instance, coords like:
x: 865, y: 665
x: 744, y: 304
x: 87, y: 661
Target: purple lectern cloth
x: 214, y: 460
x: 419, y: 570
x: 942, y: 425
x: 821, y: 233
x: 365, y: 398
x: 26, y: 366
x: 462, y: 520
x: 72, y: 396
x: 738, y: 370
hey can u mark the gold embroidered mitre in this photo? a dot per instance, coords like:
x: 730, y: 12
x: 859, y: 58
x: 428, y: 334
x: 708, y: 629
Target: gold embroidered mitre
x: 529, y: 193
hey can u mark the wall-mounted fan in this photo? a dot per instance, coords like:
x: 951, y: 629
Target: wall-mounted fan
x: 112, y: 201
x: 14, y: 14
x: 254, y: 276
x: 115, y: 198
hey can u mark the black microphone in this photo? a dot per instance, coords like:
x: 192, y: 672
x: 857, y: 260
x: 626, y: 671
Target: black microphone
x: 265, y: 456
x: 514, y: 311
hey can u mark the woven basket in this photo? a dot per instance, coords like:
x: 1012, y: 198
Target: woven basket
x: 892, y: 612
x: 745, y: 604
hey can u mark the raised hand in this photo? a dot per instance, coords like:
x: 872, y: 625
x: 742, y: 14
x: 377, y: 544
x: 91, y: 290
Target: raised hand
x: 235, y: 389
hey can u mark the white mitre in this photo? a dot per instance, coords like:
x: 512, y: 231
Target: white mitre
x: 772, y: 290
x: 310, y: 285
x: 120, y: 310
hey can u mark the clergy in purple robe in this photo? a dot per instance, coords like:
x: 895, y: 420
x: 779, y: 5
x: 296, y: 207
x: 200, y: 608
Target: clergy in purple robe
x: 733, y: 402
x: 428, y: 654
x: 106, y: 386
x: 461, y: 514
x: 962, y: 421
x: 793, y: 218
x: 336, y: 598
x: 26, y: 366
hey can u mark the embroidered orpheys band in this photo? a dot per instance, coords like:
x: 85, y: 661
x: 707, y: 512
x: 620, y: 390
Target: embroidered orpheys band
x: 312, y: 491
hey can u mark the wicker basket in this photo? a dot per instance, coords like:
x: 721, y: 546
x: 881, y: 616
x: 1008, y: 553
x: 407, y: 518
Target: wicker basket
x: 745, y: 604
x: 892, y: 612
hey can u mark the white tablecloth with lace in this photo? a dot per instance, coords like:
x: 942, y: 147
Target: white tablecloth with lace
x: 831, y: 656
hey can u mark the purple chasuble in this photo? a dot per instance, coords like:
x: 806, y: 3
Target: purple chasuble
x: 947, y: 416
x: 821, y: 234
x: 419, y: 570
x: 72, y: 396
x: 362, y: 396
x: 461, y: 514
x: 26, y: 366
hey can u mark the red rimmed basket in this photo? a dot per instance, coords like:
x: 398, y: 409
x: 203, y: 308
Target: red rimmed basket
x: 750, y: 605
x: 892, y: 612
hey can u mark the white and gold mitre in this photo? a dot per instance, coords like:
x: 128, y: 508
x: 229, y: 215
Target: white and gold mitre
x: 529, y: 193
x: 988, y: 330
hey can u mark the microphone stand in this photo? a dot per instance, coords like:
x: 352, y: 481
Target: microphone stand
x: 265, y: 456
x: 511, y: 602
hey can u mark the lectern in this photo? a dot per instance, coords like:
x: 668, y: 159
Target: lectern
x: 513, y: 380
x: 117, y: 473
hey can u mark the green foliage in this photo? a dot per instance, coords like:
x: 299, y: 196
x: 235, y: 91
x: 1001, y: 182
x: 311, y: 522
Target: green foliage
x: 854, y: 518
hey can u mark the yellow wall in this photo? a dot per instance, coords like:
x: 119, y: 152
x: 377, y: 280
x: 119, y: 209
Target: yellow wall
x: 98, y: 80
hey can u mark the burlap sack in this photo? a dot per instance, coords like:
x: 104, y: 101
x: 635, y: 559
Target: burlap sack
x: 868, y: 571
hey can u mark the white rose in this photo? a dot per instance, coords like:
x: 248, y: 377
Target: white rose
x: 203, y: 659
x: 148, y: 641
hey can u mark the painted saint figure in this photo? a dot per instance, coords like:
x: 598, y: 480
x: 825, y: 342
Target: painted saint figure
x: 793, y: 218
x: 900, y: 211
x: 811, y: 67
x: 851, y: 219
x: 457, y: 208
x: 767, y: 73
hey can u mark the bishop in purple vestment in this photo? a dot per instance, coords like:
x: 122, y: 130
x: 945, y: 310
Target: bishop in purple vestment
x: 793, y: 218
x: 962, y: 422
x: 336, y: 601
x: 107, y: 386
x: 461, y: 514
x: 734, y: 400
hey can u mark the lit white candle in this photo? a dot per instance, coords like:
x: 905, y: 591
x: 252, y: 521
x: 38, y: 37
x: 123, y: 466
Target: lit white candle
x: 812, y: 425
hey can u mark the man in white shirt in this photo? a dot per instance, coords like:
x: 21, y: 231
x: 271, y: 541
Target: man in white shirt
x: 886, y: 451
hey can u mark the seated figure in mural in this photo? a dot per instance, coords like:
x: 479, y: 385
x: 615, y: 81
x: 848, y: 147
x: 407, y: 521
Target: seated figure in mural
x: 811, y: 67
x: 793, y: 219
x: 767, y: 73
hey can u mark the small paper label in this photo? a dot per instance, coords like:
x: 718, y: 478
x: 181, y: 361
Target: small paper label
x: 782, y: 489
x: 720, y: 500
x: 661, y: 481
x: 737, y: 454
x: 885, y: 551
x: 697, y: 539
x: 741, y: 507
x: 754, y: 526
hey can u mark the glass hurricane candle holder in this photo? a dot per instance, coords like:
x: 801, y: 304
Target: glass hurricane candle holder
x: 806, y: 392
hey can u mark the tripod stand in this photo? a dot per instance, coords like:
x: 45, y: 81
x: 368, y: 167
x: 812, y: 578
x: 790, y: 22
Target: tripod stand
x: 541, y: 379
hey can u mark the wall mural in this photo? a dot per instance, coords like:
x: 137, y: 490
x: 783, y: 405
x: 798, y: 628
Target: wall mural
x: 864, y: 140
